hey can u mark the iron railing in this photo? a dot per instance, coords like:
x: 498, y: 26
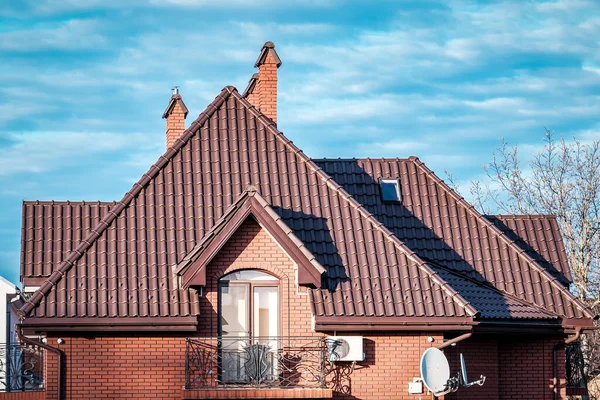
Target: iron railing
x: 256, y: 361
x: 575, y: 367
x: 21, y: 367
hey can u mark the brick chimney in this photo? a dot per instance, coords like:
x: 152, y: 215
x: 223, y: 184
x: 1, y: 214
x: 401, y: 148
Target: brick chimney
x: 175, y: 115
x: 262, y: 88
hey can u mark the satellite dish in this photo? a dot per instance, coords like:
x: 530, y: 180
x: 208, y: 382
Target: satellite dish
x: 435, y: 370
x: 463, y: 373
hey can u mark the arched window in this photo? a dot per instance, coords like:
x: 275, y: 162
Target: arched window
x: 249, y: 304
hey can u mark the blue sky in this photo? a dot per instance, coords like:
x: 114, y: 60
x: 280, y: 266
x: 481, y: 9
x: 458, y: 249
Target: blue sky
x: 83, y: 83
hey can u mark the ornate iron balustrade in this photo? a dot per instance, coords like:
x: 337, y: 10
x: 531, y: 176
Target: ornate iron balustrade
x: 21, y: 367
x: 256, y: 361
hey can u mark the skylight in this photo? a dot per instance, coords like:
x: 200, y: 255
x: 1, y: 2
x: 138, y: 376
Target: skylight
x: 390, y: 189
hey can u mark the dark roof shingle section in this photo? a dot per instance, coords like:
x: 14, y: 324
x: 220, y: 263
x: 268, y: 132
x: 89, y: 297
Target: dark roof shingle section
x: 490, y: 302
x: 539, y: 236
x: 440, y: 226
x: 124, y: 266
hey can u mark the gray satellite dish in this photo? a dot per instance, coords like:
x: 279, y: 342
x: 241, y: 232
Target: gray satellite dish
x: 435, y: 372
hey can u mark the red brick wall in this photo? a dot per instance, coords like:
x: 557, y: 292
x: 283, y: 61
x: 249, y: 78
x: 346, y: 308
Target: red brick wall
x: 526, y: 368
x: 175, y: 125
x: 251, y: 247
x: 23, y: 396
x: 119, y: 368
x: 392, y: 361
x: 516, y: 367
x: 266, y: 87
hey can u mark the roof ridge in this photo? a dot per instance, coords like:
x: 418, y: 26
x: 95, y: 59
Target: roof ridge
x: 269, y: 124
x: 340, y: 159
x: 68, y: 202
x: 520, y: 252
x: 137, y: 187
x: 521, y: 216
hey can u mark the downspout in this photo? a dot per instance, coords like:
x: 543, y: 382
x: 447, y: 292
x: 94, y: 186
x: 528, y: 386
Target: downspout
x: 56, y: 351
x: 555, y: 350
x: 8, y: 343
x: 454, y: 341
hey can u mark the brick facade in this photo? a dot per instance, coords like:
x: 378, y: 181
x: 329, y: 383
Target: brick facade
x: 516, y: 367
x: 23, y: 396
x: 143, y: 367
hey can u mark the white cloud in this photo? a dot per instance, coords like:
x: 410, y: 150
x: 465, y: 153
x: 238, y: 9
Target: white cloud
x: 69, y: 35
x: 39, y: 152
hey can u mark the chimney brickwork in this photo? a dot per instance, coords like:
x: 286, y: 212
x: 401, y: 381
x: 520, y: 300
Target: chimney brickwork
x: 175, y: 115
x: 267, y: 87
x: 262, y: 88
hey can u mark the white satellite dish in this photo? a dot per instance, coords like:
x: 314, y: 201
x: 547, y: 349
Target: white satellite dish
x: 435, y: 372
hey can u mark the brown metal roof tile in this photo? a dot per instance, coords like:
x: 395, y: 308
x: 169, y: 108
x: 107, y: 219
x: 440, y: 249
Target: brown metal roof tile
x: 539, y: 236
x: 354, y: 263
x: 461, y: 238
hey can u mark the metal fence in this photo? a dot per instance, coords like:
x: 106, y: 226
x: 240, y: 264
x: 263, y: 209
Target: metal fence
x: 256, y: 361
x: 21, y: 367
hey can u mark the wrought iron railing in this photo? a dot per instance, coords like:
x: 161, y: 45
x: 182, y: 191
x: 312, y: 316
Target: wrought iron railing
x: 256, y: 361
x: 575, y: 366
x: 21, y: 367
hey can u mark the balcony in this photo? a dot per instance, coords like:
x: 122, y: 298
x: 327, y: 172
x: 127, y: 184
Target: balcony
x: 255, y: 367
x: 21, y: 368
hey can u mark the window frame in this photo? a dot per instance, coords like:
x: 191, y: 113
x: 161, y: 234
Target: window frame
x: 395, y: 181
x: 251, y: 285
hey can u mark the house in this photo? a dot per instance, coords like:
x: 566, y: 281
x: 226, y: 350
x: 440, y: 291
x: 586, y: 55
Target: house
x: 10, y: 301
x: 219, y: 273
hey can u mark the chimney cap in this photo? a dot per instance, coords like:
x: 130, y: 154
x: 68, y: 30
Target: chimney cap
x: 267, y: 48
x: 251, y: 85
x: 175, y: 99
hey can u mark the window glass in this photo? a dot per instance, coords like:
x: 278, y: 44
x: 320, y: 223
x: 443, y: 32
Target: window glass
x: 390, y: 190
x: 248, y: 275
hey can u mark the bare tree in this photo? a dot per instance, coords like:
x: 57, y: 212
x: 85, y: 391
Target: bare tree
x: 562, y: 179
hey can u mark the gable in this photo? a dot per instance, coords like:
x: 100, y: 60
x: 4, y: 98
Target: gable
x: 193, y: 267
x: 129, y: 255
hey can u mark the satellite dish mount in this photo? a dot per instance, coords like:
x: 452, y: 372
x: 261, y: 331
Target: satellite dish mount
x: 435, y: 372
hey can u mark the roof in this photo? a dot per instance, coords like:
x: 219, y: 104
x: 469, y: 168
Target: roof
x: 122, y: 267
x: 539, y: 236
x: 50, y: 230
x: 430, y: 256
x: 439, y: 225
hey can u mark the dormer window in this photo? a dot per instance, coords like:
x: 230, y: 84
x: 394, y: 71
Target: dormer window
x: 390, y: 189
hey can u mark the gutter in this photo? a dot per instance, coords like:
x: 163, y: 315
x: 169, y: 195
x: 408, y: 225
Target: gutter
x: 56, y: 351
x: 555, y: 350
